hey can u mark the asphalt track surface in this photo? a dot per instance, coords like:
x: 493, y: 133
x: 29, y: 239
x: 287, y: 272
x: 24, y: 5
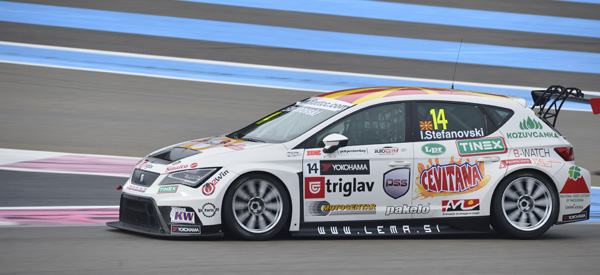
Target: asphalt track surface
x: 101, y: 113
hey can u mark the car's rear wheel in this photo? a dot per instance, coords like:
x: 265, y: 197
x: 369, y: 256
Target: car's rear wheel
x: 524, y: 206
x: 256, y: 207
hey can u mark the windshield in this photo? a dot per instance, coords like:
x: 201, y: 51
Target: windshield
x: 291, y: 121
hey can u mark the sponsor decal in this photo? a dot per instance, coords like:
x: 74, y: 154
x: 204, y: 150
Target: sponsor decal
x: 509, y: 162
x: 236, y: 147
x: 358, y: 151
x: 481, y: 146
x: 387, y: 150
x: 323, y: 208
x: 532, y: 152
x: 145, y: 165
x: 313, y: 152
x: 460, y: 205
x: 292, y: 154
x: 575, y: 198
x: 180, y: 215
x: 348, y: 187
x: 205, y: 144
x: 531, y: 129
x: 530, y: 124
x: 378, y: 229
x: 396, y: 182
x: 185, y: 229
x: 544, y: 163
x: 449, y: 179
x: 315, y: 187
x: 325, y: 104
x: 425, y: 125
x: 177, y: 167
x: 309, y: 111
x: 208, y: 210
x: 443, y: 134
x: 194, y: 165
x: 575, y: 217
x: 433, y: 149
x: 575, y: 183
x: 532, y: 135
x: 167, y: 189
x: 345, y: 167
x: 137, y: 188
x: 407, y: 209
x: 209, y: 187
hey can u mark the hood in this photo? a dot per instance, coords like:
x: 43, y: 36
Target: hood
x: 206, y: 146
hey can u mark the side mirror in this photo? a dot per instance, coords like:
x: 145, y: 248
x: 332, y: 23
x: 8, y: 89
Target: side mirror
x: 334, y: 142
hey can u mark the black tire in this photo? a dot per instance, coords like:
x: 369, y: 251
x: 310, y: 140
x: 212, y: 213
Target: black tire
x: 524, y: 206
x: 256, y: 207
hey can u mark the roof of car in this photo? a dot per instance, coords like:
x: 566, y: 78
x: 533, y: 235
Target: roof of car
x: 361, y: 95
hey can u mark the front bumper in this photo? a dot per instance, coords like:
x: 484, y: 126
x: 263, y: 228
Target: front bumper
x: 142, y: 215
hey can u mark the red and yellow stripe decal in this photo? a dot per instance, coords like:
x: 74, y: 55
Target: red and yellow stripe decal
x: 361, y: 95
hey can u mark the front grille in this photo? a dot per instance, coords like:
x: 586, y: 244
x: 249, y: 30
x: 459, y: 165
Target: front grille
x: 143, y: 178
x: 139, y: 211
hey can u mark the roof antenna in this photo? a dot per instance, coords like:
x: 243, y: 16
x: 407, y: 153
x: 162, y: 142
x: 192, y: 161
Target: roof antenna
x: 456, y: 63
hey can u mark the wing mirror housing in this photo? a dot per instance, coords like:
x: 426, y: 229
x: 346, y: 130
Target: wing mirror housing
x: 333, y: 142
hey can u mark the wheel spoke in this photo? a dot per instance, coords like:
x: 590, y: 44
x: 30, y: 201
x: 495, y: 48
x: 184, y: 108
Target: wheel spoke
x: 240, y: 206
x: 244, y: 215
x: 273, y: 206
x: 242, y: 195
x: 523, y: 219
x: 270, y: 216
x: 540, y: 191
x: 540, y: 212
x: 511, y: 194
x: 530, y: 186
x: 270, y: 196
x: 251, y: 222
x: 252, y: 188
x: 533, y: 219
x: 510, y: 205
x: 513, y: 216
x: 262, y: 189
x: 519, y: 186
x: 541, y: 202
x: 261, y: 222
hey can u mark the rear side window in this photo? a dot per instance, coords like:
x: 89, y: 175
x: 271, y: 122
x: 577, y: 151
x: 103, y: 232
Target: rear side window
x: 498, y: 115
x: 446, y: 120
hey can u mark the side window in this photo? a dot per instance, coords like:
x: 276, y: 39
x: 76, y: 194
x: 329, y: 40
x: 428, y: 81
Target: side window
x: 499, y: 115
x: 377, y: 125
x: 446, y: 120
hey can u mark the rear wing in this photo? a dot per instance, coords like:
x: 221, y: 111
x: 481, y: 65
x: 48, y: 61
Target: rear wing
x: 595, y: 102
x: 551, y: 100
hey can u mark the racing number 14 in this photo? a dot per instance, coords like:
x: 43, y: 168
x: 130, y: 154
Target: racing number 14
x: 439, y: 119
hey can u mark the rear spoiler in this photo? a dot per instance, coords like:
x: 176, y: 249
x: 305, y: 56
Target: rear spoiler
x: 595, y: 102
x: 556, y: 96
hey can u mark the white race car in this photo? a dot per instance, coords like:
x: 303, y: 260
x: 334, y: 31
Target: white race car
x: 365, y: 162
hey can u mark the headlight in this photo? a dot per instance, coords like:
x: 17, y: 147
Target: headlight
x: 192, y: 177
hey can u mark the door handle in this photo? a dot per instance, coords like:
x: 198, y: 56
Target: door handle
x: 399, y: 163
x: 488, y: 159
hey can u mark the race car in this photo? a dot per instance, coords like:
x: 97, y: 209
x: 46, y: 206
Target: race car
x: 379, y: 161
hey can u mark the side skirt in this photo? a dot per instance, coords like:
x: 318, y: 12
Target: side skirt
x: 394, y: 227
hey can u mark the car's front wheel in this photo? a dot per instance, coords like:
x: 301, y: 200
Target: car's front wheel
x: 524, y: 206
x: 256, y: 207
